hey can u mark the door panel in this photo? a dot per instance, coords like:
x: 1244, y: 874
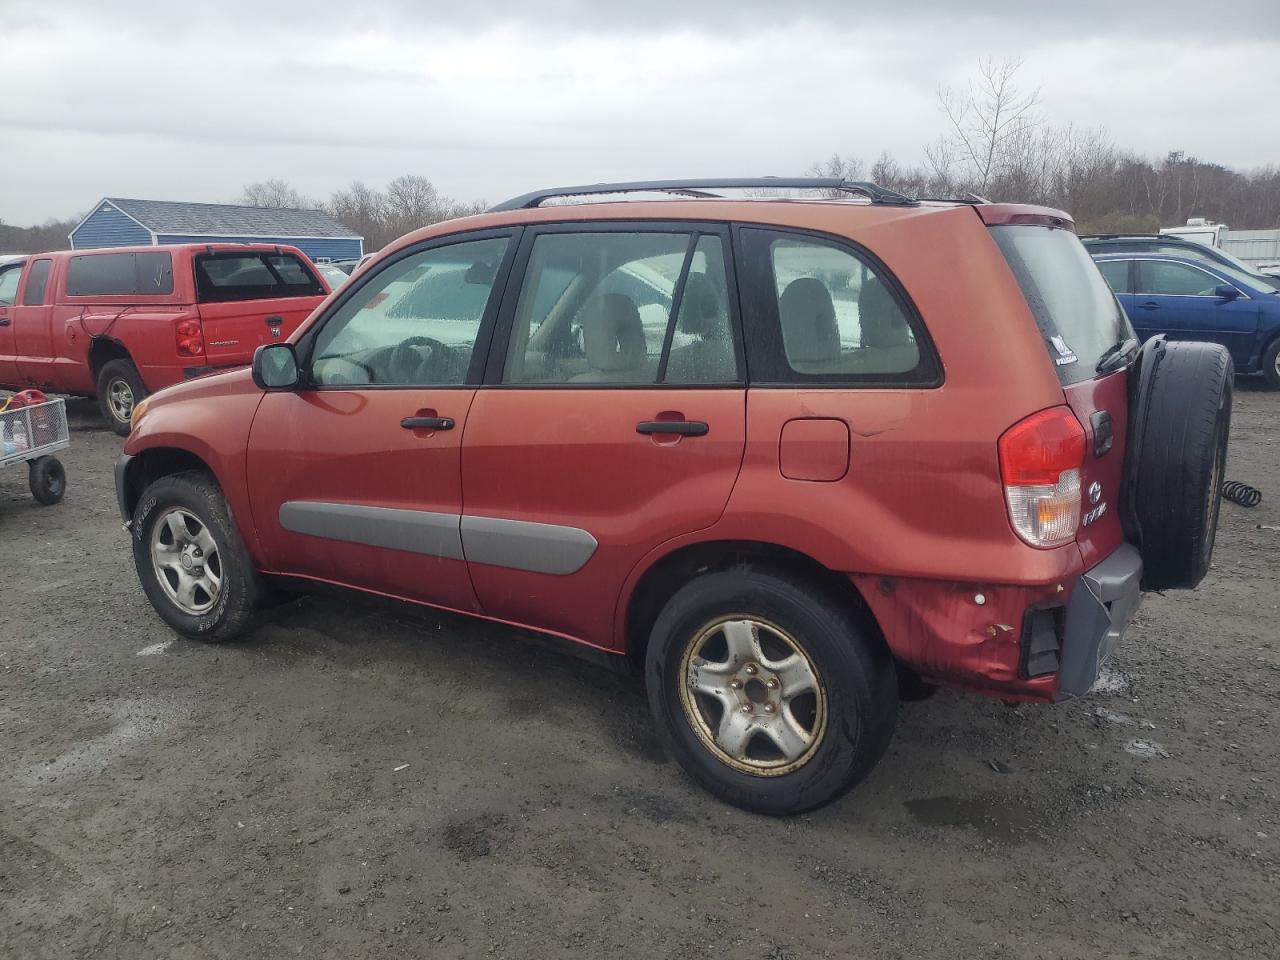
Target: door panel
x: 9, y: 277
x: 1176, y: 299
x: 570, y: 467
x: 342, y: 492
x: 31, y: 321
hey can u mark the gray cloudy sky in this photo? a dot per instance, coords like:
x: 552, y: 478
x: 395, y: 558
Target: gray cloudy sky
x: 491, y: 98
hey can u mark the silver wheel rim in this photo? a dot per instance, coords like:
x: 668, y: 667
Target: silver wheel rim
x: 120, y: 399
x: 753, y: 696
x: 186, y: 561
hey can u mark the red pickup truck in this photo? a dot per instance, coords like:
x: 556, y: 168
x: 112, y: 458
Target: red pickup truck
x: 123, y: 322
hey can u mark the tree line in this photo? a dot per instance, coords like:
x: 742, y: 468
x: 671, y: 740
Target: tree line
x: 999, y: 146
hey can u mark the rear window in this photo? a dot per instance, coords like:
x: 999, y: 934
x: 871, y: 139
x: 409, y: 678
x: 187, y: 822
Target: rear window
x: 120, y: 274
x: 221, y: 277
x: 1076, y: 311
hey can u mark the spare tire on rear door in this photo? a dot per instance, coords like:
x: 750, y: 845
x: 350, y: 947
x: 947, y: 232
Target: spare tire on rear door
x: 1180, y: 412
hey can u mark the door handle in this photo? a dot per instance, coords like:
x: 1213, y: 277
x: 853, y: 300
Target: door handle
x: 427, y: 423
x: 1149, y: 306
x: 4, y: 321
x: 681, y: 428
x: 275, y: 321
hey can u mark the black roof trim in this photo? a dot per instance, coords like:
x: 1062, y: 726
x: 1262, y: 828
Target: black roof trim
x: 703, y: 188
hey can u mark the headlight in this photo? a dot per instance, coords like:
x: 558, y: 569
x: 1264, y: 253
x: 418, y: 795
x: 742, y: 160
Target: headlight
x: 139, y: 409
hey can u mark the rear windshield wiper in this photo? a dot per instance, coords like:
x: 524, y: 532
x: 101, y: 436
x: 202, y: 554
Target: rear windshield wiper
x: 1116, y: 356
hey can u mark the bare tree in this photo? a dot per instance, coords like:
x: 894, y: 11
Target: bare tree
x: 273, y: 193
x: 987, y: 117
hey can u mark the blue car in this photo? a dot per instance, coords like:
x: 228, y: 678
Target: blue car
x: 1189, y: 299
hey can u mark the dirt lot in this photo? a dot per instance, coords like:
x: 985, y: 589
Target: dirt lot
x: 159, y: 798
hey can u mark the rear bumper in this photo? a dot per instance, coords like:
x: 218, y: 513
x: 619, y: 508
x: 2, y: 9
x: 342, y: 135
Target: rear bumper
x: 1103, y: 602
x: 1040, y: 642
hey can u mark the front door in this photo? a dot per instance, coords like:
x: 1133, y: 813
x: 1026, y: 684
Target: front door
x: 32, y: 336
x: 355, y: 477
x: 612, y: 419
x: 9, y: 276
x: 1178, y: 299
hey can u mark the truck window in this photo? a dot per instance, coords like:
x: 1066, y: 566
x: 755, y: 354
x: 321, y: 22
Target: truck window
x: 9, y: 284
x: 224, y: 277
x: 37, y: 280
x: 120, y: 274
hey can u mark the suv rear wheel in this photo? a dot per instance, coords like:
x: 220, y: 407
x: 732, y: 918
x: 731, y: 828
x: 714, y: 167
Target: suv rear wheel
x: 770, y: 694
x: 190, y: 559
x: 119, y: 390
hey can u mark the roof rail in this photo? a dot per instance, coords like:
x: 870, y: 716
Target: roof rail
x: 703, y: 188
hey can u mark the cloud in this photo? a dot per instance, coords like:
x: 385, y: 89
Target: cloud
x: 145, y: 99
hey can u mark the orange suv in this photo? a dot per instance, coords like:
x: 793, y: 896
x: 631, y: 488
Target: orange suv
x: 794, y: 458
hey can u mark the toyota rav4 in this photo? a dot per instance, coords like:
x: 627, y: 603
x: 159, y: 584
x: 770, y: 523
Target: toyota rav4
x: 795, y: 459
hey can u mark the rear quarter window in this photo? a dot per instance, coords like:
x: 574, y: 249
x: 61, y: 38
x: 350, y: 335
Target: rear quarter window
x: 120, y: 274
x: 1076, y: 311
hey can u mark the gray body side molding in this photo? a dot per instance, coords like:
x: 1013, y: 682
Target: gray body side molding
x: 524, y: 545
x: 515, y: 544
x: 417, y: 531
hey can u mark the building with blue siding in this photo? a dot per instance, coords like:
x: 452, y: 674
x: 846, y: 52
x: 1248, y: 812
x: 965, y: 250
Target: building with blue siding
x: 119, y: 222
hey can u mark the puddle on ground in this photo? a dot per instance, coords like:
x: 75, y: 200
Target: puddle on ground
x: 993, y: 818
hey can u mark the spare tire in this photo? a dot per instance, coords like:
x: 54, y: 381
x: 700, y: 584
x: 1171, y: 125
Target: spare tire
x: 1180, y: 419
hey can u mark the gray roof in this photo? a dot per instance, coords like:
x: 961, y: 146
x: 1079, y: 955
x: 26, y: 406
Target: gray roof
x: 229, y: 220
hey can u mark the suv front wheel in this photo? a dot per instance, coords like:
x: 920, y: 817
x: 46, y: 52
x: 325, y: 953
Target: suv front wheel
x: 769, y: 693
x: 190, y: 559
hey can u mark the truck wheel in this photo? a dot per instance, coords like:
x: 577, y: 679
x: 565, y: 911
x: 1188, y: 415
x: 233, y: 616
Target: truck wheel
x: 47, y: 479
x: 1181, y: 450
x: 1271, y: 363
x: 770, y: 694
x: 190, y: 559
x: 119, y: 389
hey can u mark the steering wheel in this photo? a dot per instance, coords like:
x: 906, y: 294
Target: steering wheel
x: 408, y: 365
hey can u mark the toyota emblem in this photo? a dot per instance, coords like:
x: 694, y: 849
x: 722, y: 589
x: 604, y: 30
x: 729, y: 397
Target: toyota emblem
x: 1095, y: 492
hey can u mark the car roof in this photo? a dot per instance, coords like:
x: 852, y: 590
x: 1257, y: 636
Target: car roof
x: 215, y: 247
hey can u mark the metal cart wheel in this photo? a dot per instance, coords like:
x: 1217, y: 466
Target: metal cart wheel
x: 48, y: 479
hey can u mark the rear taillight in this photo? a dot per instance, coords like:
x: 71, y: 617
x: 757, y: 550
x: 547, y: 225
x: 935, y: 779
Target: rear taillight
x: 1040, y: 461
x: 189, y: 337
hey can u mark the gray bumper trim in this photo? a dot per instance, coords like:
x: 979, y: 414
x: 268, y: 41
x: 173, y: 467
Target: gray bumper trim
x: 122, y: 499
x: 1102, y: 604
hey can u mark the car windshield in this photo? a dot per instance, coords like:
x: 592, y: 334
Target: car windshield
x: 1076, y: 311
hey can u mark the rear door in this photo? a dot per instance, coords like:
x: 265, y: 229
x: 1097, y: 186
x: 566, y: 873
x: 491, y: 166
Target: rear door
x: 612, y: 418
x: 1179, y: 300
x: 10, y: 274
x: 251, y: 297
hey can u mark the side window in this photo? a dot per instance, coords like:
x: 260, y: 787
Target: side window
x: 37, y: 280
x: 820, y: 312
x: 9, y: 284
x: 227, y: 277
x: 1116, y: 273
x: 120, y: 274
x: 1168, y: 279
x: 597, y: 308
x: 414, y: 323
x: 702, y: 344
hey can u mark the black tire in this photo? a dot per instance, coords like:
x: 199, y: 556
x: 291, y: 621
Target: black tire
x: 852, y: 665
x: 1271, y: 363
x: 240, y: 593
x: 119, y: 375
x: 1179, y: 466
x: 47, y: 478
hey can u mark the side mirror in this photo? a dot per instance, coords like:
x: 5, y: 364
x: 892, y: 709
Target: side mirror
x: 275, y: 367
x: 1225, y: 291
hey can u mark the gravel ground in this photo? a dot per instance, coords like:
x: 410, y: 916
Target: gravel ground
x: 358, y: 780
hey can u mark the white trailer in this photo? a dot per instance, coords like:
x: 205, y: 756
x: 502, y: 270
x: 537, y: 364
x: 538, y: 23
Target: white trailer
x: 1260, y: 249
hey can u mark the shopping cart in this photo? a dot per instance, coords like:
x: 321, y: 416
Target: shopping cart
x: 32, y: 429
